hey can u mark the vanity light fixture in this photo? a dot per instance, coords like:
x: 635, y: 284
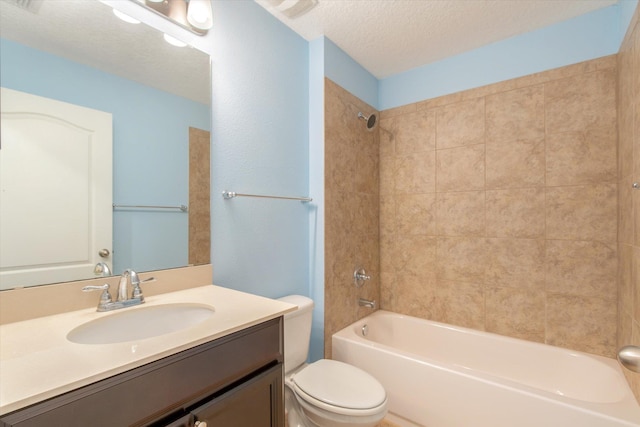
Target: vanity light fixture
x: 193, y: 15
x: 199, y: 14
x: 177, y: 11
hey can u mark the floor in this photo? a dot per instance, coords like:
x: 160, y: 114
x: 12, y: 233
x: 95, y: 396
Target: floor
x: 393, y: 420
x: 385, y: 423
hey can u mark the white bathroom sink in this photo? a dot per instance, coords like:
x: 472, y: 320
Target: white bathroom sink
x: 140, y: 323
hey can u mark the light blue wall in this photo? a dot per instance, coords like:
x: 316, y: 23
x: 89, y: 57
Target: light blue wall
x: 150, y: 148
x: 627, y: 8
x: 316, y: 187
x: 260, y: 145
x: 579, y: 39
x: 347, y: 73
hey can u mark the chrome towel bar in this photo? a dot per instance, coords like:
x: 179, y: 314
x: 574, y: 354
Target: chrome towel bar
x: 231, y: 194
x: 183, y: 208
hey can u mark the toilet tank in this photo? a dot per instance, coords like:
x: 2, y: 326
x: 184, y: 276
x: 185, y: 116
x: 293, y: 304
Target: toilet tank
x: 297, y: 331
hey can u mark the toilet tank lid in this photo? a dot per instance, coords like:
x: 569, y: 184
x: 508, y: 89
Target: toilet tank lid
x: 303, y: 303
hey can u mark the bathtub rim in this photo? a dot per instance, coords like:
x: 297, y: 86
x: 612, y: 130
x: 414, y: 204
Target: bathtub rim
x: 626, y: 409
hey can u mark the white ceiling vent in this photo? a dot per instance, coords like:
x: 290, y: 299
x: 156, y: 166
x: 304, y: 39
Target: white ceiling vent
x: 291, y: 8
x: 32, y: 6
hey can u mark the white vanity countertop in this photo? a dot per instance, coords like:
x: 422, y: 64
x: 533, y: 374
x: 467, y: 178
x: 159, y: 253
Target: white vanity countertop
x: 37, y: 361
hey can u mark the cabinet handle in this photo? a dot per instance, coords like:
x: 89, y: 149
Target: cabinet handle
x: 201, y: 424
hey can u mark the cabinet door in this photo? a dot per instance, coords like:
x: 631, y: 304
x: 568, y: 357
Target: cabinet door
x: 255, y: 403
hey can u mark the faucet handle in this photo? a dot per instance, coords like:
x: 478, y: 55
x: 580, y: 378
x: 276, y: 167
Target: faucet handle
x: 360, y: 276
x: 137, y: 290
x: 105, y: 297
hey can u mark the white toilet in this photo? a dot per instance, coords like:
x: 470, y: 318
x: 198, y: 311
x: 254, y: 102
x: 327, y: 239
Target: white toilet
x: 326, y: 393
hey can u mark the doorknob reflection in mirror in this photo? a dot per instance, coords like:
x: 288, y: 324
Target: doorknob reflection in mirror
x: 104, y: 253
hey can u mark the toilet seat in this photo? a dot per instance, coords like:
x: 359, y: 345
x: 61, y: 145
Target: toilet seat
x: 339, y: 388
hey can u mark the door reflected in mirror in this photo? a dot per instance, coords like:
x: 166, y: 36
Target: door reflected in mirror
x: 158, y: 98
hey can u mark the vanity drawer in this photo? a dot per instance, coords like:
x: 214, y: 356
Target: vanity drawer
x: 162, y: 388
x: 254, y: 403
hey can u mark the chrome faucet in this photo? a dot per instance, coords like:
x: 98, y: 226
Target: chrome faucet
x: 366, y: 303
x: 102, y: 269
x: 129, y: 276
x: 123, y: 300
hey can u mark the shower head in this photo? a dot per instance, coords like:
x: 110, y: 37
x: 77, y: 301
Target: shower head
x: 371, y: 120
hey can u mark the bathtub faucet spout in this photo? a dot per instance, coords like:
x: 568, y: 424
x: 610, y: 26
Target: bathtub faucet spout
x: 366, y: 303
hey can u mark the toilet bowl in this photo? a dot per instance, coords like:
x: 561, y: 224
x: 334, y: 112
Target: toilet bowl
x: 333, y: 393
x: 325, y: 393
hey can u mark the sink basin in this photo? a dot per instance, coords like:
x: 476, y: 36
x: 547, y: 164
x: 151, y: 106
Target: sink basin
x: 141, y: 323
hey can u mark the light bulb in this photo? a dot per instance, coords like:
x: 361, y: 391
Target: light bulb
x: 199, y: 14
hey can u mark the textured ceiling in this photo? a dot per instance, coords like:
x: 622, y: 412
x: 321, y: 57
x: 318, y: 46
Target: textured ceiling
x: 88, y: 32
x: 384, y: 36
x: 391, y: 36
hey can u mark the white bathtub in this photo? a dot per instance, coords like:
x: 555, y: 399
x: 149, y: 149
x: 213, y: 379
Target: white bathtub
x: 439, y: 375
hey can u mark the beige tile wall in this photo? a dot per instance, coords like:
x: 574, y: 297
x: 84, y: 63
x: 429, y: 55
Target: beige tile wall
x: 629, y: 199
x: 351, y: 209
x: 199, y: 196
x: 498, y: 208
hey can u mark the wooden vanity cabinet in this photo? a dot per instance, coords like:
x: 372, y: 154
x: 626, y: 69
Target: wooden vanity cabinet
x: 248, y: 405
x: 234, y: 381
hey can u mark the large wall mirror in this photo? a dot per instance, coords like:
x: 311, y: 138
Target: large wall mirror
x: 76, y: 54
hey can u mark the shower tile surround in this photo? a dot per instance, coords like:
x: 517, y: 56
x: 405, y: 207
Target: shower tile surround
x: 628, y: 198
x: 351, y: 209
x: 498, y: 208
